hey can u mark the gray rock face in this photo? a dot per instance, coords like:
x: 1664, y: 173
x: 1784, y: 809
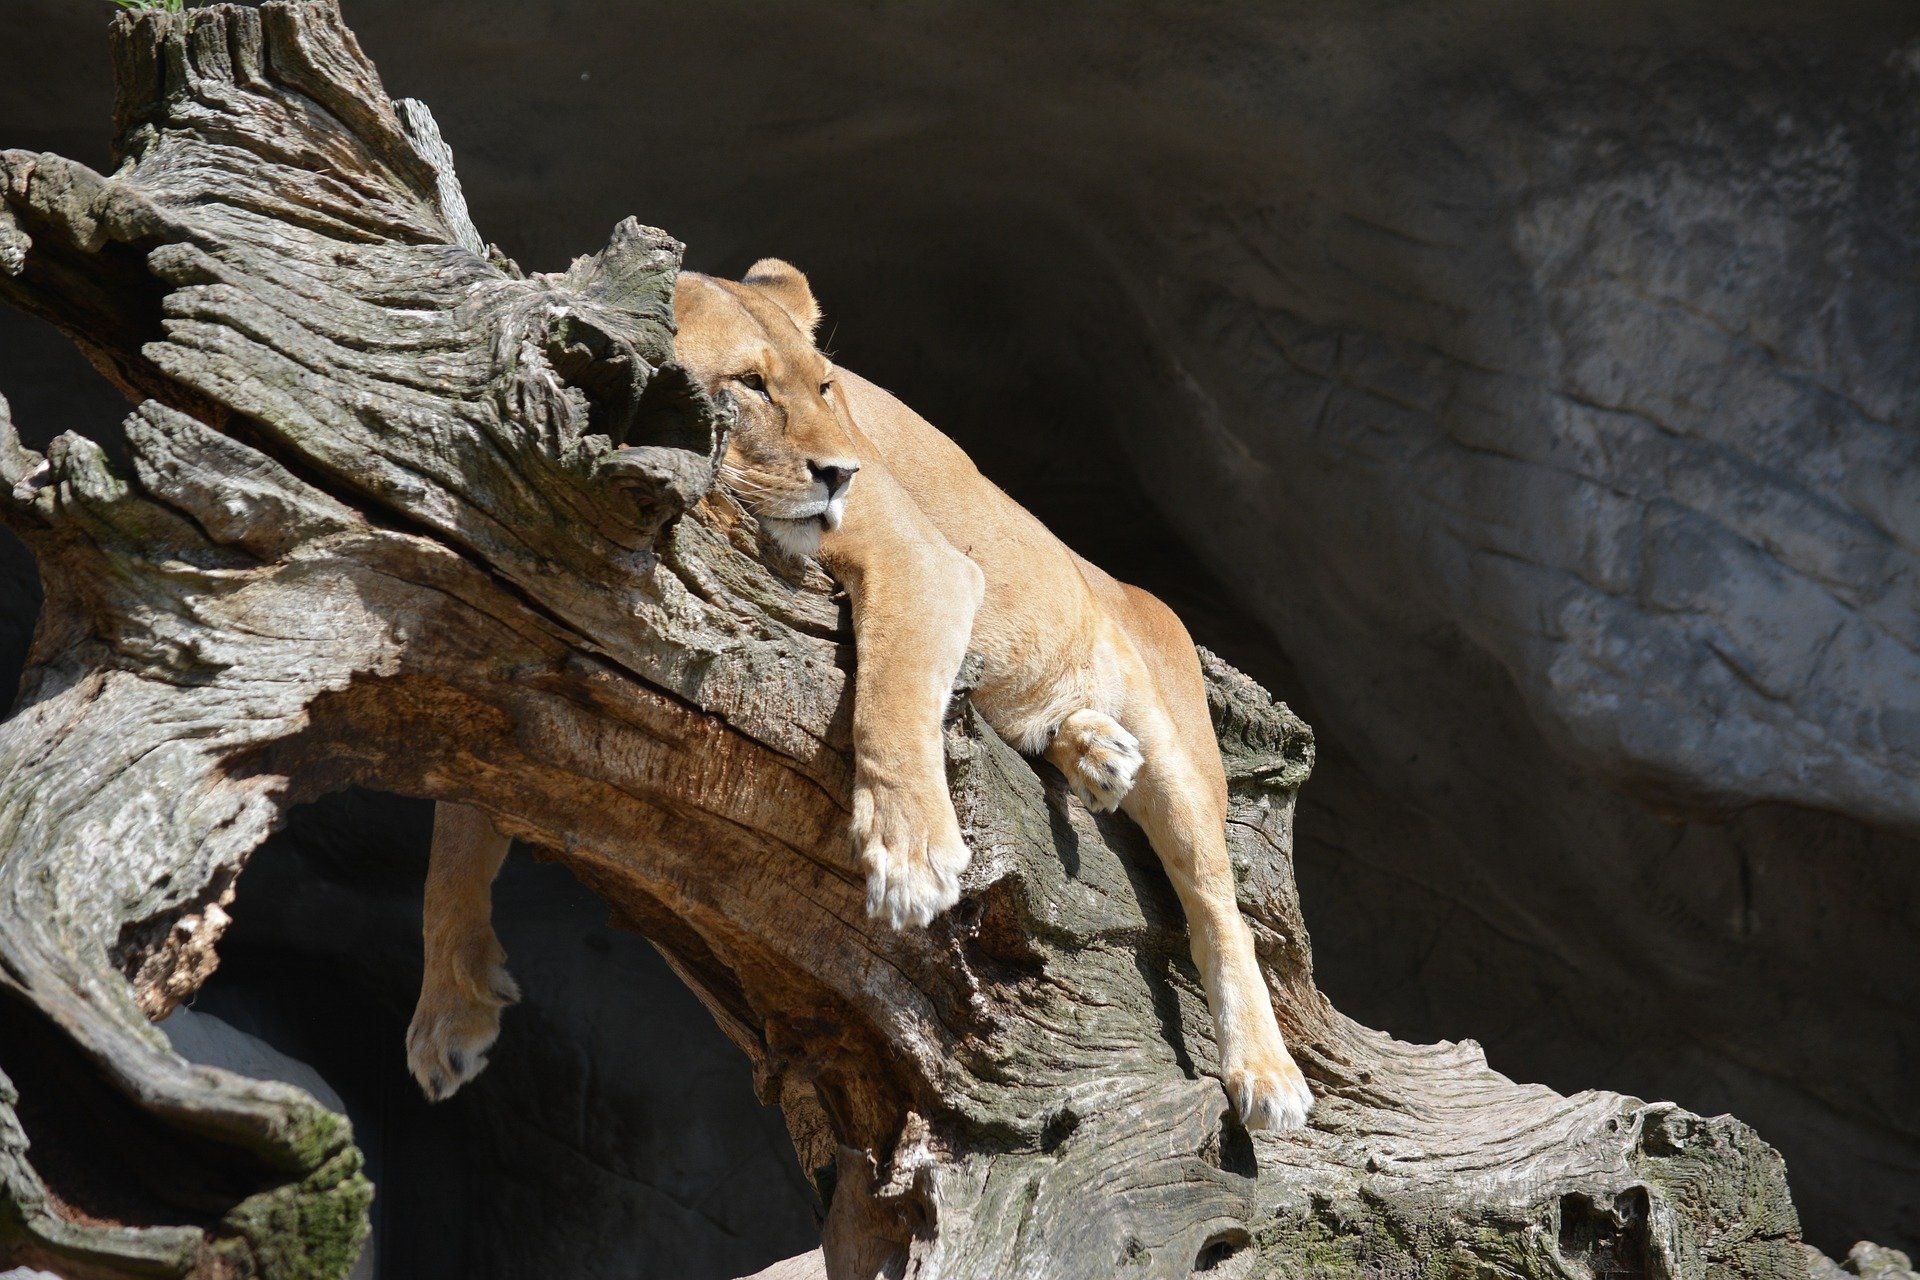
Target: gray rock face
x: 1528, y: 396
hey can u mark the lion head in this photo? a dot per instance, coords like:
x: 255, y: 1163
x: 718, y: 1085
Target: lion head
x: 790, y: 457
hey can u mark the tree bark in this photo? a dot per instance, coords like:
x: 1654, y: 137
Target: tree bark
x: 395, y: 513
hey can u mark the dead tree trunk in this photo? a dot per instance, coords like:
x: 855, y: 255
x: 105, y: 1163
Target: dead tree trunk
x: 395, y: 513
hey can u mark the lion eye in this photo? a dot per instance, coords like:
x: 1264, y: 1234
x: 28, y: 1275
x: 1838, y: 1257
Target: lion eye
x: 825, y: 387
x: 753, y: 382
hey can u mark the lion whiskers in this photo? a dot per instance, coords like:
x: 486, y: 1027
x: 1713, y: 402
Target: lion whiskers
x: 745, y: 485
x: 797, y: 535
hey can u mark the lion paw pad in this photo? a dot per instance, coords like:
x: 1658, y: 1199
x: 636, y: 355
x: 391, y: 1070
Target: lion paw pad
x: 1099, y: 758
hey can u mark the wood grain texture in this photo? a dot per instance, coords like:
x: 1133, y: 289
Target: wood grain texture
x: 397, y: 513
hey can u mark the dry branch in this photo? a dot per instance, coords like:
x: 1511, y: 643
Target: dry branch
x: 396, y: 513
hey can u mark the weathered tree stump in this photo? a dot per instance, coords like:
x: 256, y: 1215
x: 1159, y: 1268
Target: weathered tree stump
x: 395, y: 513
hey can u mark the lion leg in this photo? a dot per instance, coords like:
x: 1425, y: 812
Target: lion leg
x: 466, y: 985
x: 906, y: 837
x: 1099, y: 758
x: 1184, y: 815
x: 914, y: 600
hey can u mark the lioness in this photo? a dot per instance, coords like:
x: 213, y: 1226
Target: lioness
x: 1098, y: 676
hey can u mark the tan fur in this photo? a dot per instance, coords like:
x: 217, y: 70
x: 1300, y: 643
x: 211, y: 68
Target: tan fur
x: 466, y: 985
x: 1099, y: 676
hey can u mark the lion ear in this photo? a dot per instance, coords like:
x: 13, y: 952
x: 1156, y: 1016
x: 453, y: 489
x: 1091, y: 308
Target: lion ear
x: 782, y: 282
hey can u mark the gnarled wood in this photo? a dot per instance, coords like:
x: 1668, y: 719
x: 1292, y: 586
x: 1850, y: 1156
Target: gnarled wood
x: 395, y: 513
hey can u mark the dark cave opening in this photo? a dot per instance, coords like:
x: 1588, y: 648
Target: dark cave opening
x: 615, y: 1130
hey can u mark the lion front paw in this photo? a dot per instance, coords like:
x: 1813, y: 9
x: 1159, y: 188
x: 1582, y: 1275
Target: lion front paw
x: 1099, y: 758
x: 455, y: 1023
x: 1269, y: 1092
x: 911, y: 850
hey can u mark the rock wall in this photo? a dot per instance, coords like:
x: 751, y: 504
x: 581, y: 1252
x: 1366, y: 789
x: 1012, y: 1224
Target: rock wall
x: 1524, y: 391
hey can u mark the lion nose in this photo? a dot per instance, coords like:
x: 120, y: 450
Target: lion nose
x: 835, y: 475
